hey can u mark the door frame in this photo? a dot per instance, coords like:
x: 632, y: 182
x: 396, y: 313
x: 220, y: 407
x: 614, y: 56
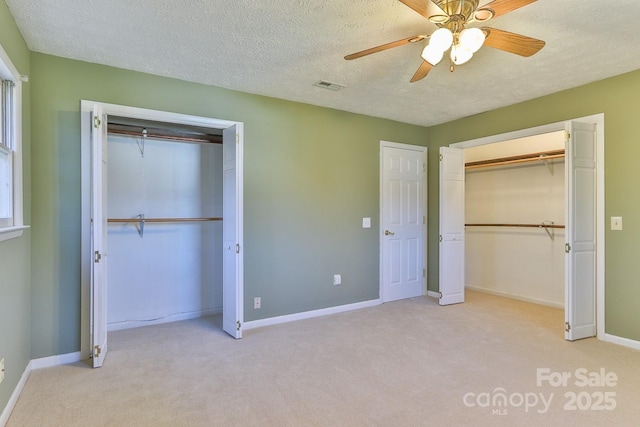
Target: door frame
x: 86, y: 107
x: 424, y: 151
x: 598, y: 120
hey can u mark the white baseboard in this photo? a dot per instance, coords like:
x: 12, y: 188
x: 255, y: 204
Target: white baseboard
x: 129, y: 324
x: 309, y: 314
x: 4, y: 416
x: 622, y: 341
x: 515, y: 296
x: 433, y: 294
x: 60, y: 359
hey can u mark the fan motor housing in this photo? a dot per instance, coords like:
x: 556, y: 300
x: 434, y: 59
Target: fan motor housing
x: 464, y: 8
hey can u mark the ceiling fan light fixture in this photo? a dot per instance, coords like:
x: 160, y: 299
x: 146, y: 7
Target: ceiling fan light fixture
x: 432, y: 55
x: 471, y: 39
x: 460, y: 55
x: 441, y: 39
x: 451, y: 18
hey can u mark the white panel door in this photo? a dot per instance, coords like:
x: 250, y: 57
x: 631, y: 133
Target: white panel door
x: 99, y: 236
x: 231, y: 234
x: 451, y: 253
x: 402, y: 216
x: 580, y: 270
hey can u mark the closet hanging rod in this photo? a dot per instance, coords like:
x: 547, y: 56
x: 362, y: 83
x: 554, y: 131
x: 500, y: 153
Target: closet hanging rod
x: 136, y: 131
x: 162, y: 220
x: 516, y: 225
x: 533, y: 157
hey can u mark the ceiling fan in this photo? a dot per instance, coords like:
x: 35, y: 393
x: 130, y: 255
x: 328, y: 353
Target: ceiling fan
x: 452, y: 17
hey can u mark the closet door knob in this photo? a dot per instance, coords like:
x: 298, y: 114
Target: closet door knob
x: 388, y: 233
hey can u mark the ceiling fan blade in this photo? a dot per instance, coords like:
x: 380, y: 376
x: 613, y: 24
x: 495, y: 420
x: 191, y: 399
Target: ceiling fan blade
x: 511, y: 42
x: 500, y: 7
x: 426, y: 8
x: 386, y: 46
x: 422, y: 71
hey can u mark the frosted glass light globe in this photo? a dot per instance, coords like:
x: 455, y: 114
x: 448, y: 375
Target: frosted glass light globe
x: 441, y: 39
x: 432, y: 55
x: 459, y: 55
x: 472, y: 39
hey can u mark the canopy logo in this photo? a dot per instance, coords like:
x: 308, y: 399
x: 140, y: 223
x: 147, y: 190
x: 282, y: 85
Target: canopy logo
x: 499, y: 400
x: 587, y: 393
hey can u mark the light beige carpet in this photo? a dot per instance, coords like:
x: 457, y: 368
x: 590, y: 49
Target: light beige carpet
x: 407, y: 363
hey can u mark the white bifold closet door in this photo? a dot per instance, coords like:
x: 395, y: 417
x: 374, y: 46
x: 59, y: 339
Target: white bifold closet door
x: 451, y: 257
x: 231, y: 234
x: 580, y: 270
x: 98, y: 326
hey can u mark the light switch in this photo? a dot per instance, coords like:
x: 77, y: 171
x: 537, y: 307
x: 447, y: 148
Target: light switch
x: 366, y: 222
x: 616, y: 223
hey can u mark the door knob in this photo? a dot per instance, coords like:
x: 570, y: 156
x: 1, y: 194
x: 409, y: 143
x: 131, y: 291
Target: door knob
x: 388, y: 233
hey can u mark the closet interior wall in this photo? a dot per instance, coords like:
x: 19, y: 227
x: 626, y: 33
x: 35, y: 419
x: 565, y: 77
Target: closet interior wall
x: 525, y: 263
x: 172, y: 270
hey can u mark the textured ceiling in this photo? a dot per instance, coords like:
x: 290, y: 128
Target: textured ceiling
x: 281, y: 48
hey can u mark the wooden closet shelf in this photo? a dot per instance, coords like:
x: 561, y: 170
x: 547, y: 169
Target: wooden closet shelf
x: 533, y: 157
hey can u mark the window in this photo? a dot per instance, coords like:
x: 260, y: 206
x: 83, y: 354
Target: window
x: 11, y: 221
x: 6, y: 154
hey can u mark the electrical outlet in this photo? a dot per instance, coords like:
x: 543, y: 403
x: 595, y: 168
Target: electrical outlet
x: 257, y: 303
x: 1, y: 369
x: 337, y: 279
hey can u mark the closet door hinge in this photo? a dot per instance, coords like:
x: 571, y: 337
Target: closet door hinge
x: 440, y: 297
x: 238, y: 325
x: 237, y: 138
x: 96, y: 122
x: 424, y: 272
x: 237, y: 248
x: 567, y: 248
x: 441, y: 157
x: 96, y: 351
x: 97, y: 257
x: 567, y: 136
x: 441, y: 237
x: 567, y: 326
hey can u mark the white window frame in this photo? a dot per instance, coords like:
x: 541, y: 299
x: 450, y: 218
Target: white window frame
x: 16, y: 226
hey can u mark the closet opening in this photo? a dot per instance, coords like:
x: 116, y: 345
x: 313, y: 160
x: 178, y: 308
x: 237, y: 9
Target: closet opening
x: 515, y: 219
x: 584, y: 305
x: 164, y: 223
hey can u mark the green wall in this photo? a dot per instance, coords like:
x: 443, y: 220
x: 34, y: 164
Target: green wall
x: 310, y: 175
x: 619, y: 99
x: 15, y: 254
